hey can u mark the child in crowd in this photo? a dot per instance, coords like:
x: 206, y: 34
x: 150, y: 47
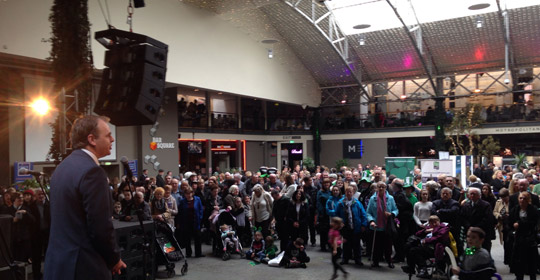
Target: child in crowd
x: 256, y: 252
x: 335, y: 239
x: 228, y: 236
x: 477, y: 262
x: 270, y: 250
x: 117, y: 213
x: 295, y: 255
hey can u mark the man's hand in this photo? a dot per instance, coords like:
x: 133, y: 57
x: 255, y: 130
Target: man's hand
x: 117, y: 268
x: 127, y: 218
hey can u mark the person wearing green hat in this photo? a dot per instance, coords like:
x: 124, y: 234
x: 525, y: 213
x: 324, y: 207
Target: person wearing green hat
x: 409, y: 193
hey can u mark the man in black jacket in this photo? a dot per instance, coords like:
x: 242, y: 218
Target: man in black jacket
x: 447, y: 209
x: 41, y: 211
x: 279, y: 211
x: 311, y: 191
x: 478, y: 213
x: 405, y: 217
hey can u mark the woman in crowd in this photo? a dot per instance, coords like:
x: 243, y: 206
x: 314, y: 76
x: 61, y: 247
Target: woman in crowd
x: 261, y: 209
x: 190, y: 213
x: 422, y: 209
x: 523, y: 220
x: 289, y: 187
x: 501, y: 213
x: 297, y: 216
x: 331, y: 203
x: 159, y: 209
x: 341, y: 185
x: 498, y: 181
x: 7, y: 208
x: 487, y: 195
x: 381, y: 207
x: 171, y: 202
x: 228, y: 202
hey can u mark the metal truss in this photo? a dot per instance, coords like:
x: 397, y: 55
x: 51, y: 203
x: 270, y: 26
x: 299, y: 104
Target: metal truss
x: 418, y: 43
x: 334, y: 95
x: 332, y: 33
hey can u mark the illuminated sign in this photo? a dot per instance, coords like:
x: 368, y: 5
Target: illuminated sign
x: 296, y: 151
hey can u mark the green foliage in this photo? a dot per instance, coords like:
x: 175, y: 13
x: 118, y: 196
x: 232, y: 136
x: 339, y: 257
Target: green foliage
x: 309, y: 163
x: 521, y: 161
x: 489, y: 147
x: 71, y: 61
x: 342, y: 162
x: 462, y: 126
x: 26, y: 184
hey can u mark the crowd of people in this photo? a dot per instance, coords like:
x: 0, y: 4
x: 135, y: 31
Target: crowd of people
x: 355, y: 214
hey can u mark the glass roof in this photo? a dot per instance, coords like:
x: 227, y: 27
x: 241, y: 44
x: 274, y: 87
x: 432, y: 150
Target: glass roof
x: 380, y: 16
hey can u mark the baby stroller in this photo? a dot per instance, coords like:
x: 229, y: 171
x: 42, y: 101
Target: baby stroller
x: 231, y: 242
x: 169, y: 249
x: 223, y: 218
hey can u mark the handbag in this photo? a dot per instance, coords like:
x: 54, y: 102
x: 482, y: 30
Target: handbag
x: 391, y: 228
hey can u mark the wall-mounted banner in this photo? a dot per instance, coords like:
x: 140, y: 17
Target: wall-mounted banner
x: 402, y: 167
x: 133, y: 166
x: 353, y: 148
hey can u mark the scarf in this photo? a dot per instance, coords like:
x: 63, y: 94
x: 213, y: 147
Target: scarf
x: 381, y: 209
x: 348, y: 204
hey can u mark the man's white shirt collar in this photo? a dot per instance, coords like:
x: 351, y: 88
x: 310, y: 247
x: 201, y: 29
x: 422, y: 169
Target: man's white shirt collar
x: 91, y: 155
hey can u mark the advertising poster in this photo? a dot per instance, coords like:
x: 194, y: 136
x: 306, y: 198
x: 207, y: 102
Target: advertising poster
x: 17, y: 166
x: 432, y: 168
x: 401, y: 167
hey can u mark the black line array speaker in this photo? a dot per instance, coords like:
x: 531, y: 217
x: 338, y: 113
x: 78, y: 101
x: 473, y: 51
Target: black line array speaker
x: 130, y: 239
x: 132, y: 85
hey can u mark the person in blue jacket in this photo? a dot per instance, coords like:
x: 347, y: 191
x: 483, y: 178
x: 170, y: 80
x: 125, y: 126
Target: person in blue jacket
x: 332, y: 201
x: 381, y: 207
x: 354, y: 219
x: 323, y: 219
x: 190, y: 213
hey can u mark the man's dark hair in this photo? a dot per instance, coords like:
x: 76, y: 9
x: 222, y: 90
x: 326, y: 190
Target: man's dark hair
x: 274, y: 192
x: 82, y: 127
x: 481, y: 233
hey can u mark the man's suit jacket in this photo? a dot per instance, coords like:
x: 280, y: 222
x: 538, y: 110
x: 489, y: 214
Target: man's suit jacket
x: 82, y: 242
x: 481, y: 215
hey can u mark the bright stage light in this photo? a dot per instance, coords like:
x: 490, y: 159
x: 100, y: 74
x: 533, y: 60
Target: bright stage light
x: 40, y: 106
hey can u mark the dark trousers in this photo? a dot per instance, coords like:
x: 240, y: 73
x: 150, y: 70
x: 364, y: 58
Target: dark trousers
x: 283, y: 235
x: 366, y: 237
x: 404, y: 232
x: 383, y: 244
x: 265, y: 227
x: 311, y: 226
x: 188, y: 234
x: 324, y: 227
x: 335, y: 262
x: 351, y: 246
x: 39, y: 248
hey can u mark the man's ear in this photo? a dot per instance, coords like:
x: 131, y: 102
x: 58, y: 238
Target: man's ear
x: 91, y: 140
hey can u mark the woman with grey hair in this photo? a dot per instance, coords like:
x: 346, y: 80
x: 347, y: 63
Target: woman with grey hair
x: 228, y: 202
x: 261, y: 209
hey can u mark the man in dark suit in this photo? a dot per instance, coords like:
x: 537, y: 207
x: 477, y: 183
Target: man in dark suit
x: 478, y: 213
x: 143, y: 177
x: 82, y: 243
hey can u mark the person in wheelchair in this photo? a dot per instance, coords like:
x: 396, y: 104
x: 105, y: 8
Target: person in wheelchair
x: 477, y: 262
x: 427, y: 243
